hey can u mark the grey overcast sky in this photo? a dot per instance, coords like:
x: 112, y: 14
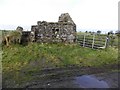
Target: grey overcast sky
x: 90, y: 15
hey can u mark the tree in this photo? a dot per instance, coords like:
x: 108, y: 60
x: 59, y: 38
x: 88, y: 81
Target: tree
x: 117, y: 32
x: 110, y: 33
x: 98, y: 32
x: 86, y: 31
x: 89, y: 31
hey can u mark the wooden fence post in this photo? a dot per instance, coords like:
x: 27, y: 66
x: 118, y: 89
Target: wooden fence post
x: 93, y: 41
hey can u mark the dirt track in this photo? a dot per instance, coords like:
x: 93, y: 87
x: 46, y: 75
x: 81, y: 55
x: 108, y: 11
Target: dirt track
x: 68, y: 82
x: 64, y: 77
x: 110, y: 79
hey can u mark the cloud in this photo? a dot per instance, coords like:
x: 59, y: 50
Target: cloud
x: 99, y: 14
x: 27, y: 11
x: 87, y: 14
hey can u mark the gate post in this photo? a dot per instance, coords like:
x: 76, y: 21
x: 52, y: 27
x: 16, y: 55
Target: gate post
x: 84, y: 41
x: 93, y: 40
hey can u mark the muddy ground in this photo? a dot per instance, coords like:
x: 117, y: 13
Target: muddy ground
x: 64, y: 77
x: 106, y: 80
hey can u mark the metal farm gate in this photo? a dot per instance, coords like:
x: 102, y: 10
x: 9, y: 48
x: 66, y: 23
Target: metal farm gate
x: 93, y: 41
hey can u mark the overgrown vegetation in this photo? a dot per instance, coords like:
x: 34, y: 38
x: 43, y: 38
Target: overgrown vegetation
x: 20, y: 62
x: 56, y: 55
x: 34, y: 57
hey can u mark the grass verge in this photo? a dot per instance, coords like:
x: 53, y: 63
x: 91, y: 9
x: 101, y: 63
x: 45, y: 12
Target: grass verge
x: 20, y: 62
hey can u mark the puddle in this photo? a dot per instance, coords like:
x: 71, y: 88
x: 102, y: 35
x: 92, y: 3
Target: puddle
x: 90, y: 81
x: 84, y: 81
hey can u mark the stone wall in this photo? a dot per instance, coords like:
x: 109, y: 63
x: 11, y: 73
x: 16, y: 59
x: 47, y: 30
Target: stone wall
x: 62, y: 31
x: 25, y: 39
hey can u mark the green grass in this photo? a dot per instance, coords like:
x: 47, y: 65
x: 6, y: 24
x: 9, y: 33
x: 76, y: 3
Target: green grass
x: 19, y: 63
x: 55, y: 55
x: 32, y: 58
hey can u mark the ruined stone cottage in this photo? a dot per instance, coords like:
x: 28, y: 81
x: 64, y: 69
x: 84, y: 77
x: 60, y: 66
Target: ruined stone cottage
x: 62, y: 31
